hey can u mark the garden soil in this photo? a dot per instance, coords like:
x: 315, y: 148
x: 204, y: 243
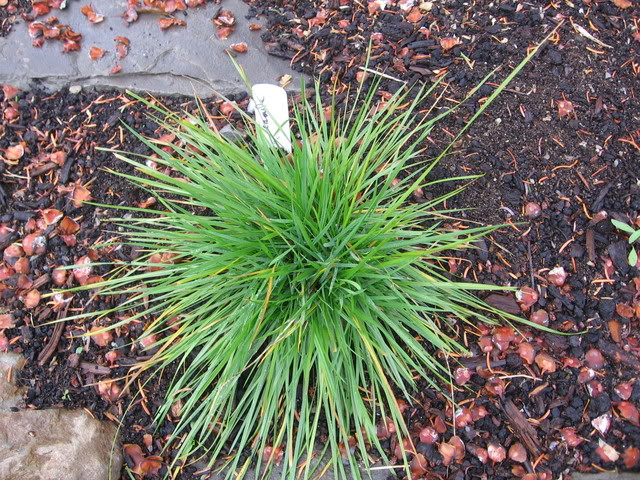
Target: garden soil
x: 558, y: 156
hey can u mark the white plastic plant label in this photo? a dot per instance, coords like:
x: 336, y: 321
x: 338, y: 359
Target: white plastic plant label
x: 272, y: 113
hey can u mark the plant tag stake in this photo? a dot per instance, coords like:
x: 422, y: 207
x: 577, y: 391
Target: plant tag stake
x: 272, y: 113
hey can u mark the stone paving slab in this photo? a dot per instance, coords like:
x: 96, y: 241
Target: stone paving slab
x: 181, y: 60
x: 57, y: 444
x: 10, y: 394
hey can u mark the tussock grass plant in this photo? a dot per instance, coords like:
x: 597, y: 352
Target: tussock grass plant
x: 295, y: 294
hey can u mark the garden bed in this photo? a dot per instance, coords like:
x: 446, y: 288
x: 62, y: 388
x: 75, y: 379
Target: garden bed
x: 562, y: 138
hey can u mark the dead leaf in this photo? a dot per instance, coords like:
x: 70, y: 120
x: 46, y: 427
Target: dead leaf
x: 39, y: 9
x: 93, y: 17
x: 223, y: 33
x: 448, y: 43
x: 14, y: 153
x: 415, y: 15
x: 58, y: 158
x: 9, y: 91
x: 80, y: 195
x: 239, y: 47
x: 622, y: 3
x: 70, y: 46
x: 225, y: 18
x: 96, y: 52
x: 565, y: 108
x: 117, y: 68
x: 122, y: 46
x: 171, y: 22
x: 6, y: 321
x: 142, y: 465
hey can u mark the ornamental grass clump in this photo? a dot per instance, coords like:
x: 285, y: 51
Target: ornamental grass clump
x: 295, y: 294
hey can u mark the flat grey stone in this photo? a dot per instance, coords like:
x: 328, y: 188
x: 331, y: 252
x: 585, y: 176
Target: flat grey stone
x: 187, y: 60
x: 10, y: 395
x: 57, y: 444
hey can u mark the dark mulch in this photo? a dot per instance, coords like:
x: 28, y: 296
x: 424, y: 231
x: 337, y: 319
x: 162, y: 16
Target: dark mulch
x: 572, y: 168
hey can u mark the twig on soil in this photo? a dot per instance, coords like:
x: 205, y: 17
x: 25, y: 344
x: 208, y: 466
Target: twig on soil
x: 523, y: 429
x: 51, y: 347
x: 617, y: 354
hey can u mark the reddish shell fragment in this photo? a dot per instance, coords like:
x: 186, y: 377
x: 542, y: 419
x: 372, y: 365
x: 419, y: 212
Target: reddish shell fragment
x: 532, y: 210
x: 517, y: 453
x: 6, y: 320
x: 541, y: 317
x: 527, y: 352
x: 463, y: 417
x: 428, y: 435
x: 82, y: 273
x: 594, y: 358
x: 223, y: 33
x: 526, y: 297
x: 31, y: 299
x: 34, y: 244
x: 631, y: 457
x: 109, y: 390
x: 602, y: 423
x: 171, y: 22
x: 606, y: 452
x: 101, y: 336
x: 462, y: 375
x: 122, y: 47
x: 557, y: 276
x: 51, y: 216
x: 570, y: 437
x: 14, y: 153
x: 419, y: 465
x: 386, y: 429
x: 629, y: 412
x: 624, y: 390
x: 545, y: 363
x: 565, y: 108
x: 496, y: 452
x: 59, y: 276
